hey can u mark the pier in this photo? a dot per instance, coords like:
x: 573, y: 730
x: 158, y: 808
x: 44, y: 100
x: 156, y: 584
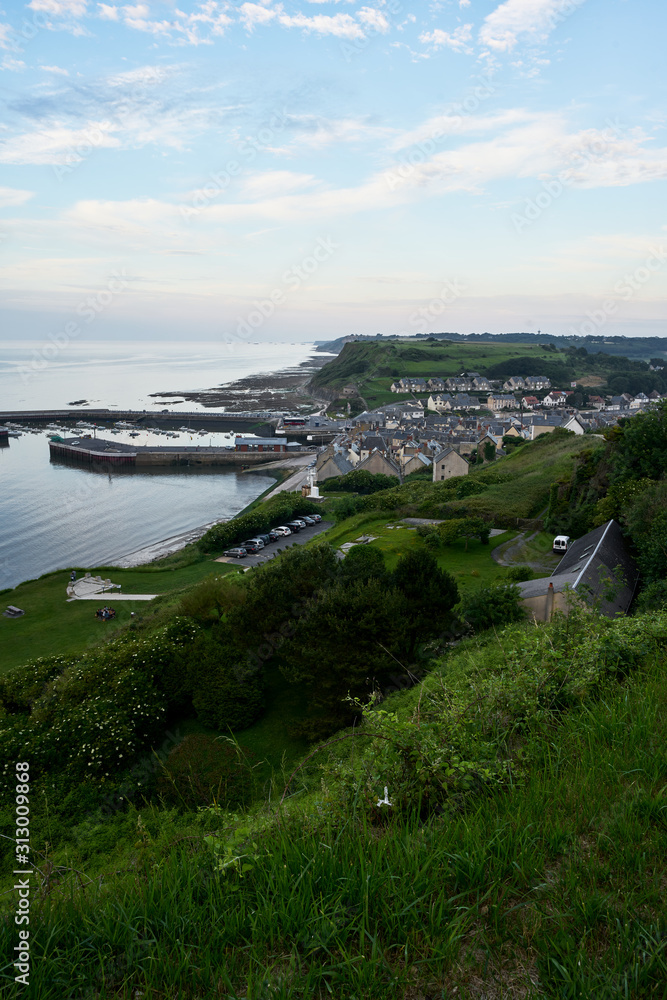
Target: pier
x: 97, y: 451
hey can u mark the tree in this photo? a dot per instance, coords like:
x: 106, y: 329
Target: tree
x: 489, y: 451
x: 646, y: 521
x: 639, y: 446
x: 429, y: 594
x: 344, y: 644
x: 361, y: 563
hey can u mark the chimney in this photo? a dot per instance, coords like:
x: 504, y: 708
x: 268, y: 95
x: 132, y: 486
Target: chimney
x: 549, y: 610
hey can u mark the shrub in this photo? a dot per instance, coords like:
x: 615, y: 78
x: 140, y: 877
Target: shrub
x: 498, y: 604
x: 519, y: 574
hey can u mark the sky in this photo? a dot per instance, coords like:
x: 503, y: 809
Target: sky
x: 305, y: 169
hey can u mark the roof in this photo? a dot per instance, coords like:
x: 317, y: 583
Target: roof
x: 449, y: 451
x: 591, y: 566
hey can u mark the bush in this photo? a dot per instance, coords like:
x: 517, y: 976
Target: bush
x: 519, y: 574
x: 498, y: 604
x: 358, y: 481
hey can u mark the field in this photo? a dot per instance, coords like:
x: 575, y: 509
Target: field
x: 52, y: 625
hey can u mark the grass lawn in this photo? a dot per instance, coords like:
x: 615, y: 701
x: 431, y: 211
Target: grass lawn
x: 472, y: 567
x: 52, y: 625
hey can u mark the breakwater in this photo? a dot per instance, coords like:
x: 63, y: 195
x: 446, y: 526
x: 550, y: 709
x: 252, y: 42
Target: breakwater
x: 97, y: 451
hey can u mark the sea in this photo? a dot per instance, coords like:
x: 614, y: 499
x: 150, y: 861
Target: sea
x: 54, y: 515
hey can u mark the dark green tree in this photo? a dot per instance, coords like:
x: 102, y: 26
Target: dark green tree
x: 344, y: 644
x: 361, y: 563
x: 428, y: 595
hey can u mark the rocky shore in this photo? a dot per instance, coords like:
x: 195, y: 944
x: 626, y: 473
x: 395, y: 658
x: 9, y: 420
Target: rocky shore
x: 280, y: 390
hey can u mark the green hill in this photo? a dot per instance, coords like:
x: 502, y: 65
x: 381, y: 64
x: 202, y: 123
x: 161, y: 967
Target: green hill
x: 372, y: 366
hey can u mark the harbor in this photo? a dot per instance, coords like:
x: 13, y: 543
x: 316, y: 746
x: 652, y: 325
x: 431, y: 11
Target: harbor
x: 246, y: 452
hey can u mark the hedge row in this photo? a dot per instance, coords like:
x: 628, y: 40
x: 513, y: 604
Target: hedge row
x: 261, y: 519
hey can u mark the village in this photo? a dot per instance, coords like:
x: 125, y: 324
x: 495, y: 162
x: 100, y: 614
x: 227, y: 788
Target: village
x: 450, y: 424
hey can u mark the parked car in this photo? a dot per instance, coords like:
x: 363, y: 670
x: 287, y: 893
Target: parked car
x: 295, y: 526
x: 309, y: 520
x: 236, y: 553
x: 316, y: 518
x: 264, y: 538
x: 299, y: 521
x: 253, y: 545
x: 561, y: 543
x: 273, y: 536
x: 282, y: 530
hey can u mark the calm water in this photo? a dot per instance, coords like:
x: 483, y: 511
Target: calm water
x: 54, y: 515
x: 123, y: 375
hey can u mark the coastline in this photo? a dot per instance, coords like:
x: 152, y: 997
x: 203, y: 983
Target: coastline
x: 284, y: 389
x: 166, y: 547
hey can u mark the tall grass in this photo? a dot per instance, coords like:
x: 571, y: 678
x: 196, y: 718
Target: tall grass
x: 554, y: 888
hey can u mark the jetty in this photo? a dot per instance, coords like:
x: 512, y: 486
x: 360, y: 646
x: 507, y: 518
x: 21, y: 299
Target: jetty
x: 97, y: 451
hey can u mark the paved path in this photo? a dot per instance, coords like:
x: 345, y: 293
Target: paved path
x: 295, y: 481
x: 89, y: 588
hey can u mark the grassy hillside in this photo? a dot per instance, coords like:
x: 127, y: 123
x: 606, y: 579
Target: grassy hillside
x: 547, y: 884
x: 372, y: 367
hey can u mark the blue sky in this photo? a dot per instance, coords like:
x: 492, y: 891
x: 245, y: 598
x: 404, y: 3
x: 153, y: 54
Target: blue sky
x: 301, y: 170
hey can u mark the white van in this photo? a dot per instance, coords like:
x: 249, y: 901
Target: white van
x: 561, y: 543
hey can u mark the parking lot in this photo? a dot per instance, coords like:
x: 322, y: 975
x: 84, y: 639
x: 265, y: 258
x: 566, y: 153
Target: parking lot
x: 269, y: 551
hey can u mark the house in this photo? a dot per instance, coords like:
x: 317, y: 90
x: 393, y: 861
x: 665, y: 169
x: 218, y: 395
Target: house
x: 598, y: 568
x: 481, y: 384
x: 597, y: 402
x: 449, y: 463
x: 499, y: 402
x: 439, y: 402
x: 489, y: 439
x: 537, y: 382
x: 555, y: 398
x: 530, y: 402
x: 435, y: 384
x: 574, y: 423
x: 370, y: 443
x: 379, y: 463
x: 462, y: 401
x: 514, y: 382
x: 639, y: 401
x: 334, y: 465
x: 458, y: 384
x: 416, y: 462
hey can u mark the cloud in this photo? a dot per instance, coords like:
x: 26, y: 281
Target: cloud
x: 57, y: 144
x: 55, y: 69
x: 13, y: 65
x: 12, y: 197
x: 532, y: 19
x: 275, y: 182
x: 372, y: 18
x: 457, y: 40
x: 182, y: 28
x: 60, y: 8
